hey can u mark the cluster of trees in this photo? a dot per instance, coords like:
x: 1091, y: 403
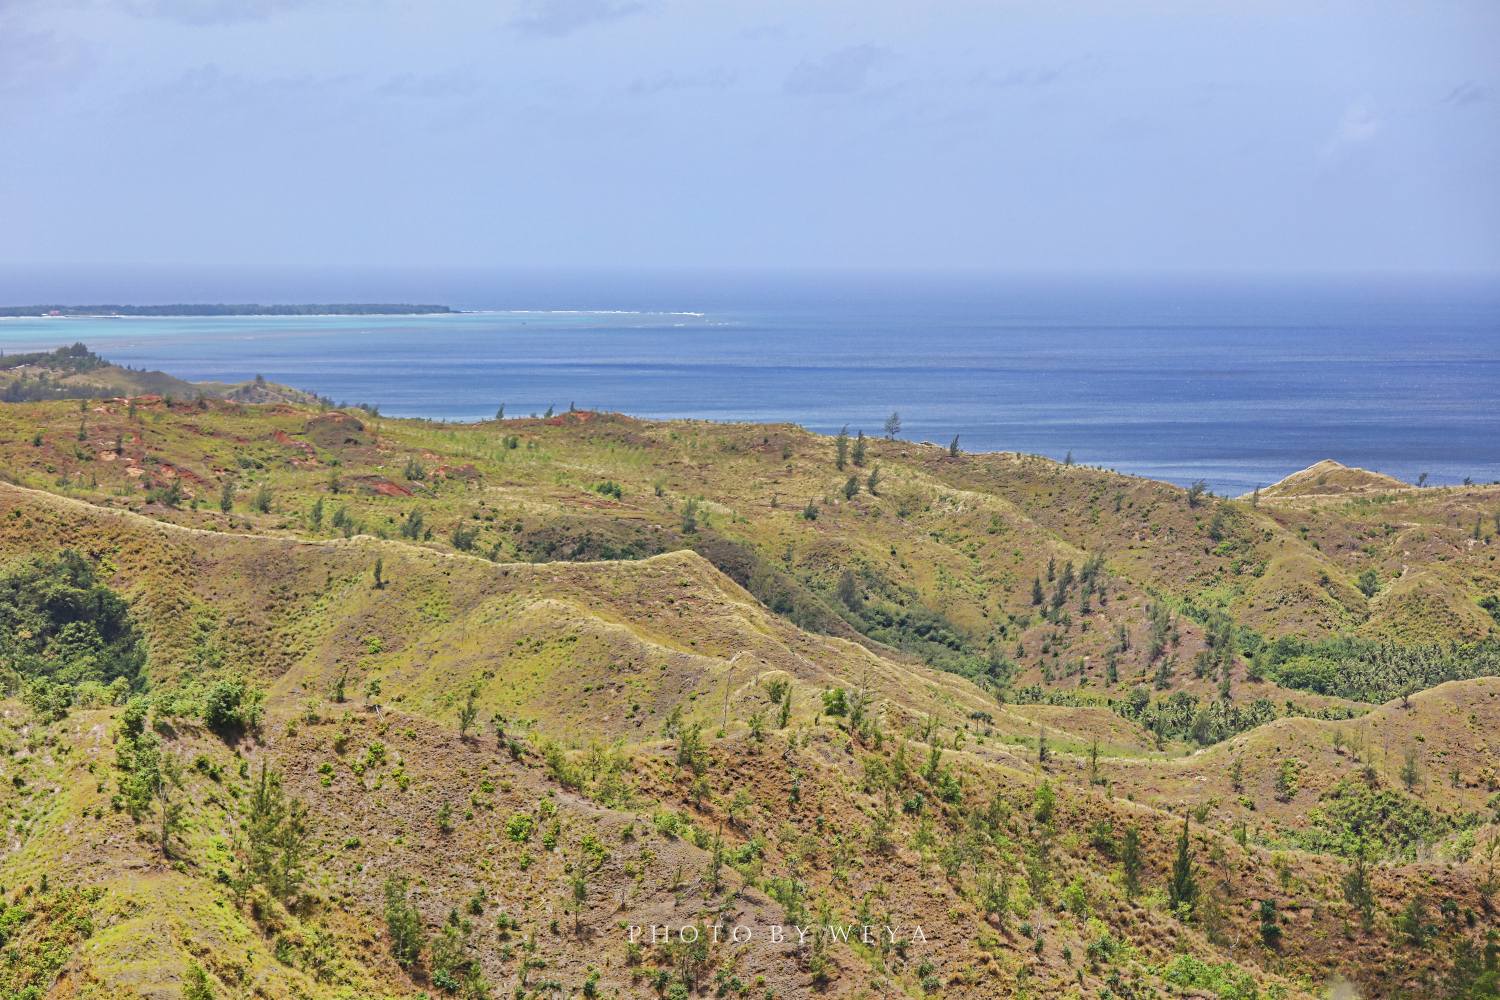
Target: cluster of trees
x: 452, y: 964
x: 897, y: 617
x: 1354, y: 817
x: 77, y: 358
x: 1089, y: 580
x: 71, y: 360
x: 1183, y: 716
x: 40, y: 389
x: 1364, y: 670
x: 843, y: 454
x: 63, y: 635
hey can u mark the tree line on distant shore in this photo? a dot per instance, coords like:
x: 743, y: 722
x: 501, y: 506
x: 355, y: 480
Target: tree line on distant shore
x: 337, y: 309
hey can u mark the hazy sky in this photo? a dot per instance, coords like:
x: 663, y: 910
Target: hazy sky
x: 1258, y: 135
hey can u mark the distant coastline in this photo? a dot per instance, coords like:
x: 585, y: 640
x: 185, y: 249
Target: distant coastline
x: 339, y: 309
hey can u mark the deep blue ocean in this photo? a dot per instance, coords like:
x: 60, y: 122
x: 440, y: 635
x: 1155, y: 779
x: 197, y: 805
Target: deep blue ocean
x: 1237, y: 381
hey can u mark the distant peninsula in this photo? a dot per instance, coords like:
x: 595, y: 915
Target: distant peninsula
x: 338, y: 309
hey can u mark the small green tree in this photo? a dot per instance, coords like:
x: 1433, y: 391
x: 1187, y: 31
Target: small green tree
x: 872, y: 482
x: 953, y: 447
x: 691, y: 750
x: 858, y: 454
x: 690, y: 516
x: 810, y: 512
x: 469, y: 712
x: 1195, y: 492
x: 168, y: 778
x: 1286, y: 780
x: 1412, y: 922
x: 893, y: 425
x: 195, y: 984
x: 226, y: 495
x: 1411, y: 769
x: 934, y: 759
x: 1359, y: 885
x: 841, y: 445
x: 1270, y: 924
x: 262, y: 499
x: 412, y: 526
x: 403, y: 924
x: 277, y: 834
x: 1044, y: 805
x: 848, y: 590
x: 462, y: 538
x: 1038, y: 595
x: 1182, y: 889
x: 851, y: 487
x: 994, y: 892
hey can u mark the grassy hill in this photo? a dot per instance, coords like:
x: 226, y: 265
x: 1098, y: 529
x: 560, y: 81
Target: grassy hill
x: 78, y: 373
x: 709, y: 676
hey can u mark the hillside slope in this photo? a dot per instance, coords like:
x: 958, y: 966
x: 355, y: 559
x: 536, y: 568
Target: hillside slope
x: 674, y: 642
x: 814, y: 828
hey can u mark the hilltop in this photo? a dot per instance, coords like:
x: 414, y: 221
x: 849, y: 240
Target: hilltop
x: 78, y: 373
x: 686, y: 672
x: 1328, y: 479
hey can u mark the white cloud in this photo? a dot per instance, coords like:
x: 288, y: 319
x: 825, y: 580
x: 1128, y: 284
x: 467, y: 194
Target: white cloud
x: 1465, y: 94
x: 208, y: 12
x: 556, y: 18
x: 841, y: 72
x: 36, y: 60
x: 716, y: 80
x: 1358, y: 125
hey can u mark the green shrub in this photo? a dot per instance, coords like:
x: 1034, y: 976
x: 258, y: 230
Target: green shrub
x: 1305, y: 673
x: 229, y: 704
x: 1227, y: 980
x: 520, y: 827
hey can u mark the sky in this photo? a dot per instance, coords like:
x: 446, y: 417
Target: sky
x: 1149, y: 136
